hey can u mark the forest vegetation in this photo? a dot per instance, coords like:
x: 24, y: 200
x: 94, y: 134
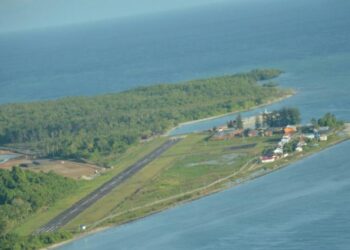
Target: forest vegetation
x: 94, y: 127
x: 21, y: 194
x: 281, y: 118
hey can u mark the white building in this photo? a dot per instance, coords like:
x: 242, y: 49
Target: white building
x: 268, y: 159
x: 310, y: 136
x: 278, y: 151
x: 299, y: 149
x: 323, y: 138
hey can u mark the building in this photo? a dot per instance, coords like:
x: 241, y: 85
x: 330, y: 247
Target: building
x: 323, y: 138
x: 227, y: 134
x: 252, y: 133
x: 268, y: 132
x: 267, y: 159
x: 299, y: 149
x: 221, y: 128
x: 285, y: 139
x: 290, y: 130
x: 309, y: 136
x: 278, y: 151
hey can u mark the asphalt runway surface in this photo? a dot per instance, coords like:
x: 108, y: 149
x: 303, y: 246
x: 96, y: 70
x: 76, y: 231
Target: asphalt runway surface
x: 69, y: 214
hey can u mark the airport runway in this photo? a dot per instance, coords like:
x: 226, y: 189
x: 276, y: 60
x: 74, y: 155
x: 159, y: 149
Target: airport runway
x: 66, y: 216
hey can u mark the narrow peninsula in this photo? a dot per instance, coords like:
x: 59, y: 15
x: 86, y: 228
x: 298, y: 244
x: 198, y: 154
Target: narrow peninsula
x: 73, y: 148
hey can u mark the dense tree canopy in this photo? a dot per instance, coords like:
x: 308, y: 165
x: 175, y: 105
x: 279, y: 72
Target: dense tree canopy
x: 14, y: 241
x: 92, y: 127
x: 24, y: 192
x: 329, y: 120
x: 282, y: 117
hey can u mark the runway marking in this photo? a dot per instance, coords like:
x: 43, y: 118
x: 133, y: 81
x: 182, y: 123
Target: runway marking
x: 66, y: 216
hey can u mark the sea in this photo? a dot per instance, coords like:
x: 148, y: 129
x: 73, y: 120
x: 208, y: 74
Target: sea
x: 304, y: 206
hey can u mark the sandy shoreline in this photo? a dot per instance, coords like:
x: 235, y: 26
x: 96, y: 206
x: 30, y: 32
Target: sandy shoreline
x: 231, y: 113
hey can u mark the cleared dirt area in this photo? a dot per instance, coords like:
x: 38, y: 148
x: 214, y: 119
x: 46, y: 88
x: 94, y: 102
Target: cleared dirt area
x: 68, y: 169
x: 4, y: 152
x: 9, y: 164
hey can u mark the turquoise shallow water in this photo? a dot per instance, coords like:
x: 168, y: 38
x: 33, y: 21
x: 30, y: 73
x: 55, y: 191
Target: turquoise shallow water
x: 304, y: 206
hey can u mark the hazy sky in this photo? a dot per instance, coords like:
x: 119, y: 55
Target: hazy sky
x: 28, y: 14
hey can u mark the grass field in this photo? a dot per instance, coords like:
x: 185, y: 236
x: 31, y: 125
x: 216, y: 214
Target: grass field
x: 193, y: 163
x: 191, y: 169
x: 194, y: 167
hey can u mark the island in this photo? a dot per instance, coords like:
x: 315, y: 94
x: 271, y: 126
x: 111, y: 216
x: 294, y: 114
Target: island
x: 114, y: 133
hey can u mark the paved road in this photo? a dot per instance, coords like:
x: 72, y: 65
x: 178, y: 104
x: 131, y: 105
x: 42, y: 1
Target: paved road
x: 66, y: 216
x: 22, y: 151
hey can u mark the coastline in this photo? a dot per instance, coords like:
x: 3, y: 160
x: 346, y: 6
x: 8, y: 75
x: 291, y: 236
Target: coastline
x: 225, y: 184
x: 76, y: 237
x: 231, y: 113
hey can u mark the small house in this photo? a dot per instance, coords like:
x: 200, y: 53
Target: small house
x: 323, y: 138
x: 267, y: 159
x: 238, y: 132
x: 290, y: 130
x: 299, y: 149
x: 310, y: 136
x: 301, y: 142
x: 268, y: 132
x: 285, y: 139
x: 252, y: 133
x: 224, y: 135
x: 221, y: 128
x: 278, y: 151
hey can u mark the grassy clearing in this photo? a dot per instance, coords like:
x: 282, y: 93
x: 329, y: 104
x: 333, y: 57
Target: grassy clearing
x: 42, y: 217
x: 187, y: 171
x: 191, y: 164
x: 191, y: 169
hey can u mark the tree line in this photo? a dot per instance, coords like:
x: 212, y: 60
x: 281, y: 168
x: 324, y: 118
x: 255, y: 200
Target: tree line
x: 328, y: 120
x: 281, y: 118
x: 95, y: 127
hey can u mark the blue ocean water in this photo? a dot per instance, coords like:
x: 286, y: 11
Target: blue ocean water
x: 304, y: 206
x: 307, y: 39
